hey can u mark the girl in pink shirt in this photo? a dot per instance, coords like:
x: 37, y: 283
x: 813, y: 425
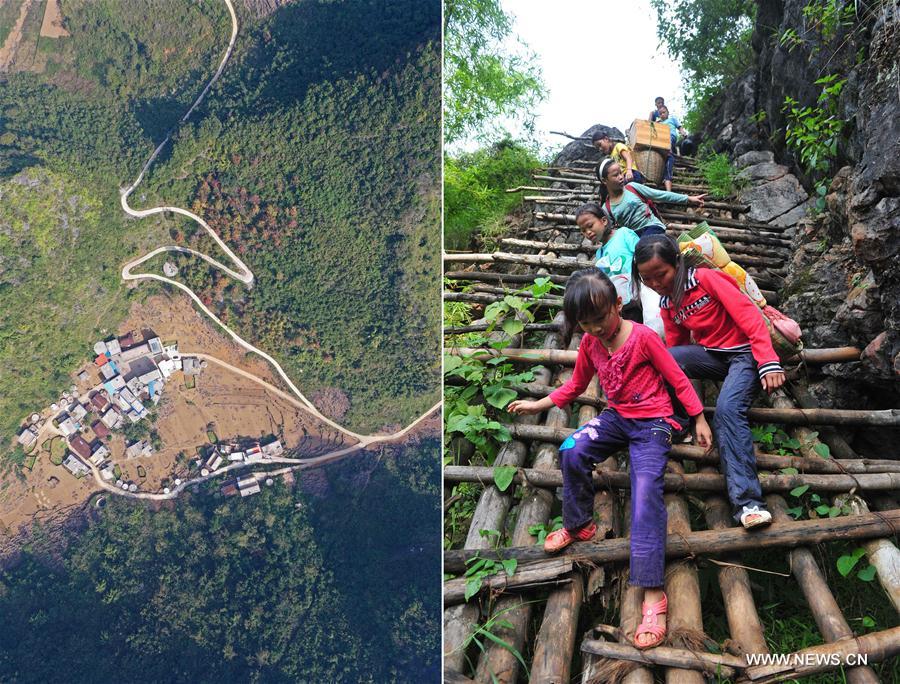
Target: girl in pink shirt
x: 633, y: 367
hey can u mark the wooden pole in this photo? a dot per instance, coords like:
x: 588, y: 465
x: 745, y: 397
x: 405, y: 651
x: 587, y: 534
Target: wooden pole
x: 485, y: 298
x: 797, y: 533
x: 481, y: 327
x: 744, y: 625
x: 490, y: 276
x: 525, y: 577
x: 497, y: 663
x: 716, y: 664
x: 695, y: 482
x: 567, y: 358
x: 764, y: 461
x: 682, y: 587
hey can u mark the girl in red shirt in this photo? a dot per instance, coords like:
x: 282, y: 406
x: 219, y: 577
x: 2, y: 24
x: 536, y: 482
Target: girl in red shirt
x: 633, y: 367
x: 731, y: 344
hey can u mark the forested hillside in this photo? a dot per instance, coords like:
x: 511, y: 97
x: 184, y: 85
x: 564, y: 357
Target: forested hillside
x: 320, y: 161
x: 78, y: 115
x: 243, y: 590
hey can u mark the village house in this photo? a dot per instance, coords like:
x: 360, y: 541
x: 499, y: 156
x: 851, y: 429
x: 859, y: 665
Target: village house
x: 111, y: 418
x: 99, y: 429
x: 273, y: 449
x: 27, y: 437
x: 77, y: 412
x: 108, y: 473
x: 65, y: 424
x: 99, y: 401
x: 78, y: 444
x: 142, y: 448
x: 248, y: 485
x: 75, y: 466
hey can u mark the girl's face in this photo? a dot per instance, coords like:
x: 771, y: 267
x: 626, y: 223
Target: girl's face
x: 615, y: 179
x: 604, y: 145
x: 604, y: 326
x: 658, y: 275
x: 663, y: 113
x: 591, y: 226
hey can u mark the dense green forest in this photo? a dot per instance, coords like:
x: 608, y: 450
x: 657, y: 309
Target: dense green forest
x: 322, y: 165
x: 254, y: 589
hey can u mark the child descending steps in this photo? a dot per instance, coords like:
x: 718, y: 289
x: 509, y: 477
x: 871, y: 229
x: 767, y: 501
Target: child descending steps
x: 621, y: 154
x: 633, y: 366
x: 614, y: 257
x: 626, y: 204
x: 676, y: 130
x: 732, y: 344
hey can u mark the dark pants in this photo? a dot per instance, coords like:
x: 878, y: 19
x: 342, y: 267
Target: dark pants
x: 653, y: 229
x: 649, y: 442
x: 638, y: 177
x: 734, y: 440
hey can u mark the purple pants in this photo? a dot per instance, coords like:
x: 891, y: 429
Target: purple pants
x: 649, y: 441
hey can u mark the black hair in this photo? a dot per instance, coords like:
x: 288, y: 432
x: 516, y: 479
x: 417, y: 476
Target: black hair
x: 602, y: 171
x: 589, y: 294
x: 595, y: 210
x: 599, y: 135
x: 665, y: 248
x: 659, y: 97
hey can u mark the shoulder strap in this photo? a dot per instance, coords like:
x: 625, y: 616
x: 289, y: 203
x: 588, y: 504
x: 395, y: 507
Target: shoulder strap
x: 609, y: 212
x: 651, y: 207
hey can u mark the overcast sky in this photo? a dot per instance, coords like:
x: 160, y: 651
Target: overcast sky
x: 600, y: 62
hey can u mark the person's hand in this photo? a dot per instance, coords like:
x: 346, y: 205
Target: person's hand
x: 772, y: 381
x: 702, y: 434
x: 697, y: 200
x: 524, y: 407
x: 629, y: 176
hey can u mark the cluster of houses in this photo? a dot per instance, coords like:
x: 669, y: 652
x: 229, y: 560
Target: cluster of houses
x: 129, y: 374
x: 219, y: 454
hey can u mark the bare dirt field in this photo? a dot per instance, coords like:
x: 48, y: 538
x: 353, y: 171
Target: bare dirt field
x: 10, y: 46
x: 51, y: 25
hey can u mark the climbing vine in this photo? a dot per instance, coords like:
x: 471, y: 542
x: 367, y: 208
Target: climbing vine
x: 814, y: 132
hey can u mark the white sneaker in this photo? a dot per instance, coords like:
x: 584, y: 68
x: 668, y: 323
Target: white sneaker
x: 763, y: 517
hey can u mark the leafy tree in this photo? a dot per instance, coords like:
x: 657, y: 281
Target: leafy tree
x: 483, y: 81
x: 711, y: 38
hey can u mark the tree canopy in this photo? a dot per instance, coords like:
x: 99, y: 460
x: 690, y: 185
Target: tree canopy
x: 486, y: 79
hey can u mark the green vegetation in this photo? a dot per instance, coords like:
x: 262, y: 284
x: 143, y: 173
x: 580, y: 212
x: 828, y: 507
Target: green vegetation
x: 484, y: 82
x: 814, y: 132
x: 711, y: 40
x: 720, y: 174
x: 475, y: 199
x: 346, y: 271
x: 341, y: 230
x: 197, y: 593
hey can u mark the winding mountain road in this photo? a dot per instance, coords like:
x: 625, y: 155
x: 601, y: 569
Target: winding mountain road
x: 241, y: 272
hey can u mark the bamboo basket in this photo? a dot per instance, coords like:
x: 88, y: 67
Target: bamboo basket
x: 651, y: 163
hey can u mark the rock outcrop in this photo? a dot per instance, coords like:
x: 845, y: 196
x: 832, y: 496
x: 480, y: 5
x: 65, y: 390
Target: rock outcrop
x: 843, y: 284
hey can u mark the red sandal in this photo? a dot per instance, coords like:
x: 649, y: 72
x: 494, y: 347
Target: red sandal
x: 561, y: 538
x: 650, y: 625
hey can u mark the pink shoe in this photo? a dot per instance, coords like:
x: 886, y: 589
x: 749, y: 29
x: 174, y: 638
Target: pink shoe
x: 650, y: 624
x: 557, y: 541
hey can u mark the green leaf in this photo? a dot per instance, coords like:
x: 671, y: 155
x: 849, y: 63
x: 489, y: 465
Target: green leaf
x: 823, y: 510
x: 822, y: 450
x: 868, y: 622
x: 451, y: 362
x: 491, y: 311
x: 799, y: 491
x: 834, y: 511
x: 867, y: 574
x: 498, y: 396
x: 513, y: 326
x: 503, y: 476
x: 795, y: 512
x: 473, y: 586
x: 510, y: 566
x: 789, y: 471
x: 845, y: 564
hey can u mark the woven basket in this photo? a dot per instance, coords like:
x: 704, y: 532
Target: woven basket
x: 650, y: 163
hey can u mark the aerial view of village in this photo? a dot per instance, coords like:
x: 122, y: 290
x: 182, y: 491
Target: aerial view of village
x: 191, y: 330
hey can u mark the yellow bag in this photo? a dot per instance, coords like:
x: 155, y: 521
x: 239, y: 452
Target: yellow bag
x: 701, y: 239
x: 746, y: 283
